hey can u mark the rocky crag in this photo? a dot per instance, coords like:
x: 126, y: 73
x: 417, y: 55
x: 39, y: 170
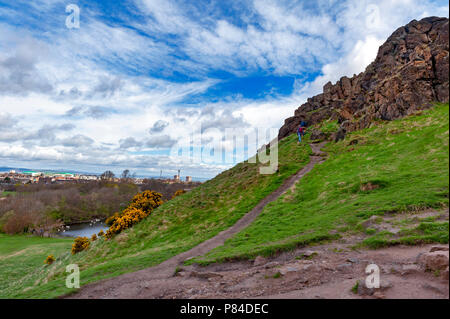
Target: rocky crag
x: 411, y: 70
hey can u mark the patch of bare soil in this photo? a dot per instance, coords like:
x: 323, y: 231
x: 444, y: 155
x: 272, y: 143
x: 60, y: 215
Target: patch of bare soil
x: 327, y: 271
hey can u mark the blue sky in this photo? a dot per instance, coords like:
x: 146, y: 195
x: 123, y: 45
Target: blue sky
x: 140, y: 76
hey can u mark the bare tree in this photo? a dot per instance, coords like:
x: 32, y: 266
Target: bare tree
x: 108, y: 175
x: 126, y: 175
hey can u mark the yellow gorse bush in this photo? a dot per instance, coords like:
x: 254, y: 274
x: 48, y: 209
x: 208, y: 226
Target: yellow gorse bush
x: 80, y: 244
x: 94, y: 237
x: 140, y: 207
x: 110, y: 220
x: 178, y: 192
x: 49, y: 260
x: 101, y: 233
x: 147, y: 201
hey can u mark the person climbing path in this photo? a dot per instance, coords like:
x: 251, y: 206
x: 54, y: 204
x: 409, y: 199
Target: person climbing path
x: 301, y: 131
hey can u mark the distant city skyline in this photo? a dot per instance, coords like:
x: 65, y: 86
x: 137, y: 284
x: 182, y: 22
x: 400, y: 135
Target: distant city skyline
x: 117, y: 173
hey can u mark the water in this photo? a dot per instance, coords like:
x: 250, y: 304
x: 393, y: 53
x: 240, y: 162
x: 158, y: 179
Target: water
x: 84, y: 229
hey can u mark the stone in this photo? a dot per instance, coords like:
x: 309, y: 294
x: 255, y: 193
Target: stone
x: 344, y: 267
x: 182, y: 274
x: 271, y: 264
x: 284, y: 271
x: 379, y: 295
x: 363, y: 290
x: 205, y: 274
x: 445, y: 273
x: 340, y: 134
x: 369, y: 222
x: 310, y: 253
x: 432, y: 288
x: 410, y: 269
x: 353, y: 260
x: 309, y: 267
x: 318, y: 135
x: 439, y: 248
x: 436, y: 260
x: 259, y: 261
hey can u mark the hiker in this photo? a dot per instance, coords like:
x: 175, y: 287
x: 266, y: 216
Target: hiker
x: 300, y: 133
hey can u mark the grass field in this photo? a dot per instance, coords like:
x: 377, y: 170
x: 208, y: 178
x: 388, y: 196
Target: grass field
x: 393, y: 167
x: 176, y: 226
x: 22, y: 259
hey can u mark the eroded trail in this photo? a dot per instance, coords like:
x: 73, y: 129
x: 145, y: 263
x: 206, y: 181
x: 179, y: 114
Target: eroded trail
x: 152, y: 282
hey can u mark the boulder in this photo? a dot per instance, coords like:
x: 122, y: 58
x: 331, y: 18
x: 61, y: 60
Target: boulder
x: 410, y: 269
x: 318, y: 135
x: 271, y: 264
x: 340, y: 134
x: 310, y: 253
x: 445, y: 273
x: 439, y: 248
x: 369, y: 223
x: 259, y: 261
x: 205, y: 275
x: 363, y: 290
x: 289, y: 269
x: 435, y: 260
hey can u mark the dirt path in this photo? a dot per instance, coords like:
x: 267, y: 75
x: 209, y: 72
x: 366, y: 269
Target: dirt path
x: 130, y: 285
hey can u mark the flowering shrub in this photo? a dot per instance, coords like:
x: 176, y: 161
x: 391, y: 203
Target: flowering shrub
x: 147, y: 201
x: 80, y: 244
x: 140, y: 207
x: 110, y: 220
x: 101, y: 233
x: 178, y: 192
x: 94, y: 237
x: 49, y: 260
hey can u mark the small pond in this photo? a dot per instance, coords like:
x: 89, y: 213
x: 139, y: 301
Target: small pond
x: 83, y: 229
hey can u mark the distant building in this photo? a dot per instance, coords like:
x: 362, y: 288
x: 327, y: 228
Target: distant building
x: 176, y: 177
x: 188, y: 179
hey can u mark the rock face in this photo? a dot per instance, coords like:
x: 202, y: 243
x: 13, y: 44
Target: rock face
x: 410, y: 71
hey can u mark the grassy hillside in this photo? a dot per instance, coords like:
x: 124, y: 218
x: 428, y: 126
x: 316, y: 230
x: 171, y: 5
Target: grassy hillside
x: 176, y: 226
x: 390, y: 168
x: 22, y: 258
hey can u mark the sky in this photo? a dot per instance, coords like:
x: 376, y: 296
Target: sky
x: 138, y: 79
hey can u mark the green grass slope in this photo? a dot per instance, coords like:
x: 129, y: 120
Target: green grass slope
x: 176, y: 226
x: 22, y: 259
x: 407, y: 163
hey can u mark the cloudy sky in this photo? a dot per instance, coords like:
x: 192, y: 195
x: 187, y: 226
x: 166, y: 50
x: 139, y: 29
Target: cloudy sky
x: 139, y: 77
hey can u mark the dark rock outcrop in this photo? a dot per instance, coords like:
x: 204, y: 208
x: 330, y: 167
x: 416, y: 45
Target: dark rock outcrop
x: 410, y: 71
